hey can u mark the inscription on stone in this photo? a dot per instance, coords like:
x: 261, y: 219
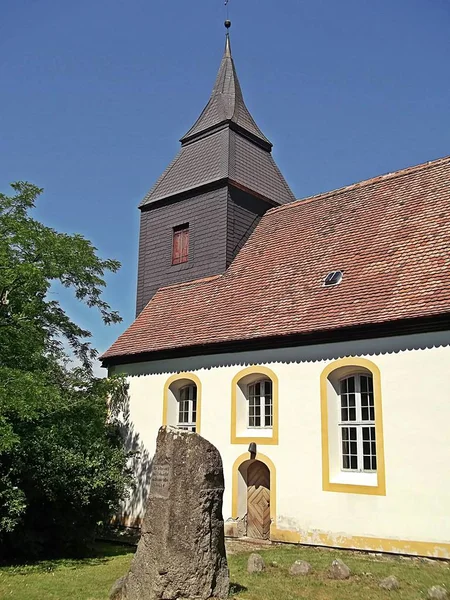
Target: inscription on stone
x: 160, y: 481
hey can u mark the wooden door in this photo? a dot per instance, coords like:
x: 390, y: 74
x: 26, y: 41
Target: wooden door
x: 258, y: 501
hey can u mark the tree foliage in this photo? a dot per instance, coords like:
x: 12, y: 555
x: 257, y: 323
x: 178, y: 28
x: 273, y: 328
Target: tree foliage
x: 62, y: 464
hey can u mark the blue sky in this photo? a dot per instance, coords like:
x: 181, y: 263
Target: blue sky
x: 96, y: 93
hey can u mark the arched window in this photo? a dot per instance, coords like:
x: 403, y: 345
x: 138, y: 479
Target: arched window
x: 352, y: 428
x: 187, y: 408
x: 357, y: 424
x: 260, y: 407
x: 182, y: 402
x: 254, y: 406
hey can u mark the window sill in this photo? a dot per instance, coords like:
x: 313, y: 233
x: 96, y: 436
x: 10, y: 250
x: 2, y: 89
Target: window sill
x: 355, y: 478
x: 263, y: 436
x: 355, y: 483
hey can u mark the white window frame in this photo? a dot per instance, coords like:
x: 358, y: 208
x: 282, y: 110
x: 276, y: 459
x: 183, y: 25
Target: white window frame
x: 187, y: 406
x: 358, y: 423
x: 262, y: 404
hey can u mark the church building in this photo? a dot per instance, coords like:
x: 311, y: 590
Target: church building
x: 309, y: 340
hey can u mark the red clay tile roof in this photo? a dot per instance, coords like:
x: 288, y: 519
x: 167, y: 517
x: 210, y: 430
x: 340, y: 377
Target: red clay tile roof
x: 389, y: 235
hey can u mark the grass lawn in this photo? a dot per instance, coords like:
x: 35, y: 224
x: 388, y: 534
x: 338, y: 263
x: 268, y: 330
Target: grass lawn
x: 91, y: 578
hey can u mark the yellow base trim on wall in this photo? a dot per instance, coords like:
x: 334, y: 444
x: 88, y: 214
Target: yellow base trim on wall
x: 327, y: 484
x: 429, y: 549
x: 263, y: 441
x: 167, y: 385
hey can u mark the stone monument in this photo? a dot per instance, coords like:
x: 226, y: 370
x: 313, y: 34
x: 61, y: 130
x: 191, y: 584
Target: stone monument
x: 181, y: 553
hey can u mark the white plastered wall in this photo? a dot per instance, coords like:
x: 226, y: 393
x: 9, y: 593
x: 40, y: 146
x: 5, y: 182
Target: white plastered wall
x: 415, y: 385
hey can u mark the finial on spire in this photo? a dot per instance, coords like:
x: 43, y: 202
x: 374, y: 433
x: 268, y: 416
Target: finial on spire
x: 227, y: 43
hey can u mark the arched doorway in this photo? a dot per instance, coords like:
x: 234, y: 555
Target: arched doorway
x: 258, y: 500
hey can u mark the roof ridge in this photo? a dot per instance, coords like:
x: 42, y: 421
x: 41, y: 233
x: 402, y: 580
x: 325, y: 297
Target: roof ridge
x: 364, y: 183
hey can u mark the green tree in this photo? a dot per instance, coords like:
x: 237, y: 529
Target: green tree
x: 62, y: 461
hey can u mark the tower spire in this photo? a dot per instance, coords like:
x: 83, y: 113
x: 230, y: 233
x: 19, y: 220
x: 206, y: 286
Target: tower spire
x: 226, y: 104
x: 224, y: 144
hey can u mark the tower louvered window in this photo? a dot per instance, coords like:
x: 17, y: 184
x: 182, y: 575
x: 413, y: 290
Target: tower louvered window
x: 180, y: 244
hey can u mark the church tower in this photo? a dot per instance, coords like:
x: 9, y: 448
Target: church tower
x: 206, y: 204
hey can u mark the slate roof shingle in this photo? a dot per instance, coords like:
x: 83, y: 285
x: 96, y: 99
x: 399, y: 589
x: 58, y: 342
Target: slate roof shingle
x: 195, y: 165
x: 390, y: 235
x: 223, y: 154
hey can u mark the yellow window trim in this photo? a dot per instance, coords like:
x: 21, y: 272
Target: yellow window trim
x: 167, y: 385
x: 273, y: 485
x: 328, y: 486
x: 263, y: 441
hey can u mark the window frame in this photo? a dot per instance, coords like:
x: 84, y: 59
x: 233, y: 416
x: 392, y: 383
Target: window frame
x: 191, y: 423
x: 245, y: 435
x: 171, y: 390
x: 333, y: 479
x: 358, y: 423
x: 261, y: 405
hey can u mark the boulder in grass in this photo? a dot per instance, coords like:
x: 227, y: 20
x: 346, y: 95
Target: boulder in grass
x: 338, y: 570
x: 390, y: 583
x: 255, y: 563
x: 300, y: 567
x: 437, y: 592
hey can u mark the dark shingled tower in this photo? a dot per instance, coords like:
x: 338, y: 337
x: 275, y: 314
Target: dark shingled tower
x: 217, y: 188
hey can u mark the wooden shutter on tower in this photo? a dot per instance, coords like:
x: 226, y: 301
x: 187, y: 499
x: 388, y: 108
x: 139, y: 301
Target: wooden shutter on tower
x: 184, y: 244
x: 180, y: 244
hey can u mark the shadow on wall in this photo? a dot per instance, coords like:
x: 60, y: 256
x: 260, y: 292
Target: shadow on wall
x: 140, y: 464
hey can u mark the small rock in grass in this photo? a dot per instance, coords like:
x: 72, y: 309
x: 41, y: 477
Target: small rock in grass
x: 437, y: 592
x: 300, y: 567
x: 338, y: 570
x: 273, y: 563
x: 255, y: 563
x: 390, y: 583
